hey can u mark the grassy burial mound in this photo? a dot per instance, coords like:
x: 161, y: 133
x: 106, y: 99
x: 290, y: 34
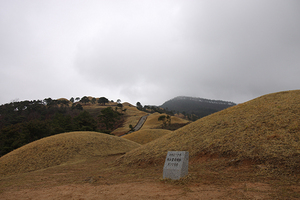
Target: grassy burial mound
x: 152, y: 121
x: 146, y: 135
x: 62, y: 148
x: 264, y: 130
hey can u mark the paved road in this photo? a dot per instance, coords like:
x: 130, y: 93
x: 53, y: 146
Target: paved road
x: 139, y: 125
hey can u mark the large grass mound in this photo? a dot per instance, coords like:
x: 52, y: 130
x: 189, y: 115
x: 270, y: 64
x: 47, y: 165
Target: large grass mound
x: 62, y: 148
x: 152, y: 121
x: 146, y: 135
x: 265, y: 130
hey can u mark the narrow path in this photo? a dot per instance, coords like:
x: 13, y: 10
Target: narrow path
x: 139, y: 125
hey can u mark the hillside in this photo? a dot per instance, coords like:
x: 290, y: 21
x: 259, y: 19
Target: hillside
x: 62, y: 148
x: 199, y: 106
x: 26, y: 121
x: 264, y: 130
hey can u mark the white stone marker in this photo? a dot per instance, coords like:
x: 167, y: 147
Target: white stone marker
x: 176, y: 165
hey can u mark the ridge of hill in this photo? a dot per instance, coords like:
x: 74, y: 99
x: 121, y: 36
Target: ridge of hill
x: 62, y: 148
x: 264, y: 130
x: 146, y: 135
x: 194, y: 105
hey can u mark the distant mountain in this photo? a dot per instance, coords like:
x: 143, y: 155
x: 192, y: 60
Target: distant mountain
x: 197, y: 106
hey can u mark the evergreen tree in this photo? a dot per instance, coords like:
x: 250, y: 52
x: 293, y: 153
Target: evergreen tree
x: 108, y: 116
x: 103, y: 101
x: 84, y: 100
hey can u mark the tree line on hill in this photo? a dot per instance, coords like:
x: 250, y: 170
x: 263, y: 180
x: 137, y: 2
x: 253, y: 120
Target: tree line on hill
x: 26, y: 121
x: 153, y: 109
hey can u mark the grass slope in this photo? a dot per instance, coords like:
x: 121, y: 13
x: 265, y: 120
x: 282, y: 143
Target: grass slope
x: 62, y: 148
x: 146, y: 135
x: 265, y: 130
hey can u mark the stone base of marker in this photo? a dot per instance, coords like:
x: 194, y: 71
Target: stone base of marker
x: 176, y: 165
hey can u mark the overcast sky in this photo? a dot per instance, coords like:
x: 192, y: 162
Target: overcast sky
x: 148, y: 50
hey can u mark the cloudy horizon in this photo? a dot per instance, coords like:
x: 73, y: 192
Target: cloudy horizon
x: 148, y: 51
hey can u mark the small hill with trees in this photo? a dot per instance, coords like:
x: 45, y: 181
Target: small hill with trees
x: 163, y: 121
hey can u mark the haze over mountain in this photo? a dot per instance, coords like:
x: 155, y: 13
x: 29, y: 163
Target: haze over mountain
x: 195, y: 105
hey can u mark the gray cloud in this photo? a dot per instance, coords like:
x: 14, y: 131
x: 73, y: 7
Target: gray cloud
x: 148, y: 51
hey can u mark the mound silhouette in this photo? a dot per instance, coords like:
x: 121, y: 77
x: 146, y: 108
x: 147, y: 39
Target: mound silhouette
x: 146, y: 135
x: 265, y: 130
x: 62, y: 148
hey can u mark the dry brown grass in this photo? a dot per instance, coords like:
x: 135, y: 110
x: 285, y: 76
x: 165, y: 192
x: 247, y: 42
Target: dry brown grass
x: 62, y: 148
x: 264, y: 130
x: 100, y: 178
x: 178, y: 120
x: 146, y: 135
x: 152, y: 121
